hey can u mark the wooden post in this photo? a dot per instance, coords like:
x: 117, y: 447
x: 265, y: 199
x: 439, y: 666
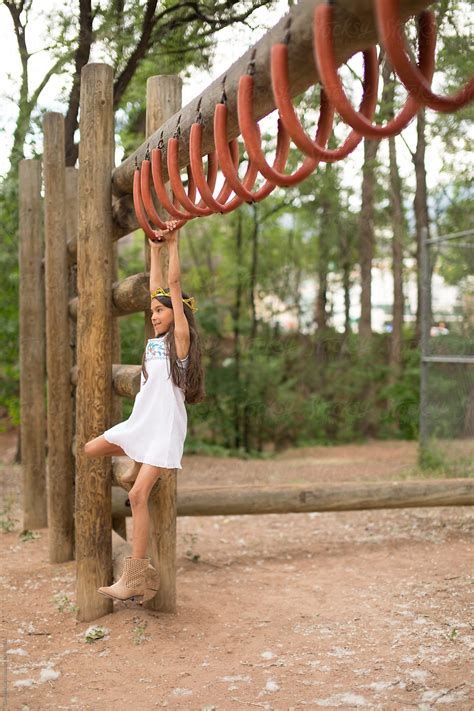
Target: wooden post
x: 163, y: 100
x: 72, y: 188
x: 32, y: 348
x: 119, y: 523
x: 58, y: 350
x: 94, y: 340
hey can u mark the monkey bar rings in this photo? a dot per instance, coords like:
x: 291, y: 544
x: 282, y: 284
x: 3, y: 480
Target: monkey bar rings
x: 393, y: 39
x: 183, y: 204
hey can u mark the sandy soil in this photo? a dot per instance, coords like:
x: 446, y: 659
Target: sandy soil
x: 336, y: 610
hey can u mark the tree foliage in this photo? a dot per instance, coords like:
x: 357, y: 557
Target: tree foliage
x: 248, y: 270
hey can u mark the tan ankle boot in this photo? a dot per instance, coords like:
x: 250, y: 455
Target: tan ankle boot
x: 139, y: 579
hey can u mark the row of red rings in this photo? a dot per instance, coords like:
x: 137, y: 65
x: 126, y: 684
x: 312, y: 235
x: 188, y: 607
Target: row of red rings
x: 416, y: 79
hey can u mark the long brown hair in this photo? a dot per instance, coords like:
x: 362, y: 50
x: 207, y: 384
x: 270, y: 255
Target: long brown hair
x: 191, y: 378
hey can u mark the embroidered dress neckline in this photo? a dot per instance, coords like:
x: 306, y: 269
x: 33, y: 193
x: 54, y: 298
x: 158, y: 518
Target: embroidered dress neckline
x: 158, y: 338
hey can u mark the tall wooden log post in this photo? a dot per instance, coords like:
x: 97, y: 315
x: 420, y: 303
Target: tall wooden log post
x: 58, y: 350
x: 94, y: 340
x: 119, y: 523
x: 163, y: 100
x: 32, y: 348
x: 72, y: 206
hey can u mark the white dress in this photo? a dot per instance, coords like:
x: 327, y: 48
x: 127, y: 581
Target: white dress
x: 156, y: 429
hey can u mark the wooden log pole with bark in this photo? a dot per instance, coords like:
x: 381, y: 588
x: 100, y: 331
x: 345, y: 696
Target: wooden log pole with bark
x: 32, y: 347
x: 58, y: 350
x: 94, y: 341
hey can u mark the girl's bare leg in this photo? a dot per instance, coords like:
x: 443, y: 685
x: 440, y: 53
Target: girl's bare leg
x: 99, y: 447
x: 138, y: 495
x: 131, y: 474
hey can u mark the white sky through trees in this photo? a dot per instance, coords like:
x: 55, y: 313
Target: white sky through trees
x: 232, y: 42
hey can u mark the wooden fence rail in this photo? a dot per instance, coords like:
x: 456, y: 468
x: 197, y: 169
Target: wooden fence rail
x: 357, y: 496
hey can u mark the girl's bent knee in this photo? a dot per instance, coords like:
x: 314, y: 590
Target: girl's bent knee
x: 137, y: 498
x: 94, y: 448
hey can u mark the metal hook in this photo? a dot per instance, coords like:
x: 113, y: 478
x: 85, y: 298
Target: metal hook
x: 198, y: 111
x: 287, y: 35
x: 177, y: 131
x: 251, y: 64
x: 224, y: 95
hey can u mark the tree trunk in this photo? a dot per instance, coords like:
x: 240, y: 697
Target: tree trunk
x: 298, y: 273
x: 468, y: 429
x: 398, y: 230
x: 253, y: 271
x: 81, y: 58
x: 420, y: 205
x: 246, y: 414
x: 325, y: 234
x: 292, y: 277
x: 346, y: 285
x: 321, y: 296
x: 367, y: 238
x: 236, y: 311
x: 397, y: 261
x: 24, y: 109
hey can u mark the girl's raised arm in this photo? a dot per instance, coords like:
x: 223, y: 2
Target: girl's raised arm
x: 156, y: 272
x: 181, y: 326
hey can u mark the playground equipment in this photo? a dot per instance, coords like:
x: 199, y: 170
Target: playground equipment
x: 86, y: 213
x: 416, y: 79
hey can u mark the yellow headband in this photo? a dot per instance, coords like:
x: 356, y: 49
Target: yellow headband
x: 190, y: 301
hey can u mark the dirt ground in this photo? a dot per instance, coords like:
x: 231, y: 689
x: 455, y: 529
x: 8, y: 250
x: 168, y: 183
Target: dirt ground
x: 349, y: 610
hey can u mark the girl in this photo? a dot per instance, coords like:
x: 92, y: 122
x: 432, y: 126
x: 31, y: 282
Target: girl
x: 155, y: 432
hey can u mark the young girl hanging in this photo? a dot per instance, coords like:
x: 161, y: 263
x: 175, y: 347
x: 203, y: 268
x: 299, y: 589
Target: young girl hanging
x: 171, y: 374
x: 154, y: 434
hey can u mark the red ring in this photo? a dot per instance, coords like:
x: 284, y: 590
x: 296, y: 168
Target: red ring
x: 160, y: 189
x: 138, y: 205
x: 325, y: 61
x: 230, y: 170
x: 281, y: 92
x: 253, y: 144
x: 177, y: 186
x: 146, y: 195
x: 216, y: 204
x: 393, y: 39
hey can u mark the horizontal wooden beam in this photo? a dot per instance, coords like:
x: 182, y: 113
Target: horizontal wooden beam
x: 354, y: 29
x: 357, y: 496
x: 129, y: 296
x: 132, y: 294
x: 124, y: 220
x: 125, y: 379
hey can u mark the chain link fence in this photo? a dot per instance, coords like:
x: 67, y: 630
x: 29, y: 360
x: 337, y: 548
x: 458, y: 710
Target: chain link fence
x: 447, y: 353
